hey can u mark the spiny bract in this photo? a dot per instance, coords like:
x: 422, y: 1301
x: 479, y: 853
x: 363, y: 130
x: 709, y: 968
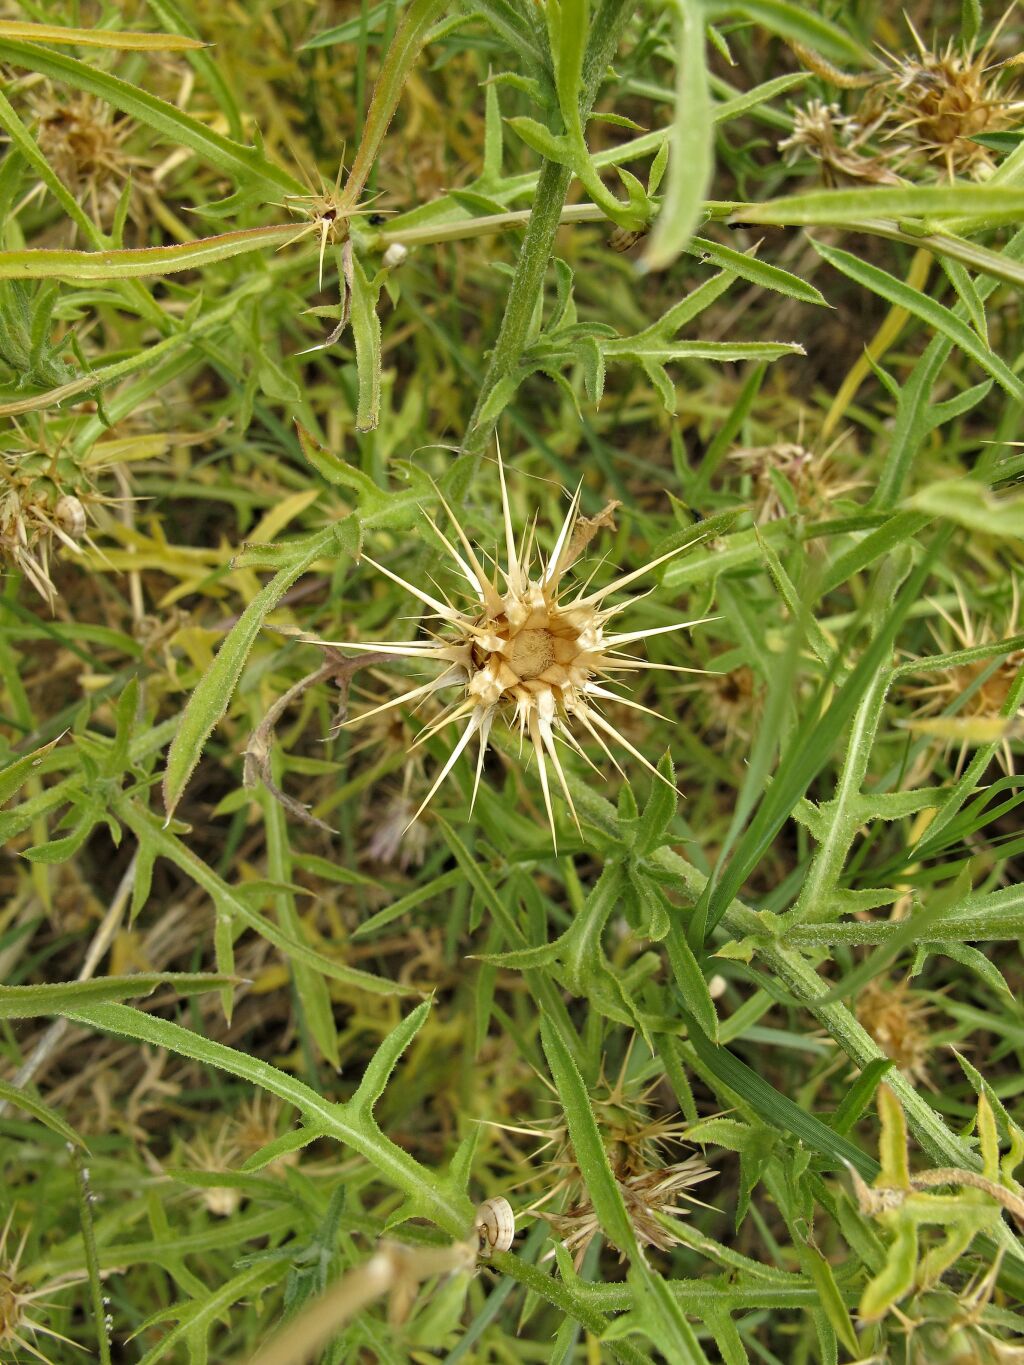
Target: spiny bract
x: 526, y: 648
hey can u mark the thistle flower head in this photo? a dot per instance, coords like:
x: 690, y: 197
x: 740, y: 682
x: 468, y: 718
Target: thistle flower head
x: 732, y: 702
x: 830, y: 137
x: 326, y: 212
x: 926, y: 103
x: 19, y: 1300
x: 639, y: 1145
x: 215, y: 1155
x: 528, y: 647
x: 815, y: 477
x: 45, y: 498
x: 943, y: 100
x: 898, y: 1020
x: 649, y: 1197
x: 976, y: 689
x: 84, y: 140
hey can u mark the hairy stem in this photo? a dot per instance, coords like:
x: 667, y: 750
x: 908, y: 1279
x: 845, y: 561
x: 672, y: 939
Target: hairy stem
x: 539, y: 239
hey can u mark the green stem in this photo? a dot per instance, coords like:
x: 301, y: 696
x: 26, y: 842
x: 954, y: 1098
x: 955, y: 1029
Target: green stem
x: 539, y: 239
x: 91, y: 1258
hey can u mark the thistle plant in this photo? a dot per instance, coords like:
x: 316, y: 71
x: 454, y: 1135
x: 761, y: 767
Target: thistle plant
x: 547, y: 978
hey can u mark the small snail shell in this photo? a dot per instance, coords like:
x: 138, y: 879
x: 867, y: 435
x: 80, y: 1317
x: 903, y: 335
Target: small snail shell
x: 70, y: 513
x: 395, y: 255
x: 495, y: 1225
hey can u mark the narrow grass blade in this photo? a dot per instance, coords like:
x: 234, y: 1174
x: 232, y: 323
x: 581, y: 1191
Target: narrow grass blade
x: 97, y: 37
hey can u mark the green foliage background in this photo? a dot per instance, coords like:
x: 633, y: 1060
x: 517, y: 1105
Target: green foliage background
x: 251, y: 1032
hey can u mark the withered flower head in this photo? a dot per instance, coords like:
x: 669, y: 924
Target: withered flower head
x: 816, y: 477
x: 823, y: 132
x: 897, y: 1019
x: 648, y: 1196
x: 84, y: 139
x: 639, y: 1145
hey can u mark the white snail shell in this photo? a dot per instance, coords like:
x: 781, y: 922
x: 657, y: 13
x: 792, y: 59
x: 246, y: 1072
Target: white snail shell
x: 71, y: 515
x: 495, y: 1225
x: 395, y: 255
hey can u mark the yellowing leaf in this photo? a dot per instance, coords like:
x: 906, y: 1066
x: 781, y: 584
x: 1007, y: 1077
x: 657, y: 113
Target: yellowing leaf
x: 278, y: 517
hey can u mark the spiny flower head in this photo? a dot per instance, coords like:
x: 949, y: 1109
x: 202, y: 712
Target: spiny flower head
x: 45, y: 495
x: 83, y: 139
x: 945, y: 99
x: 18, y: 1301
x: 649, y: 1197
x: 816, y: 477
x: 926, y: 103
x: 639, y: 1145
x: 529, y: 648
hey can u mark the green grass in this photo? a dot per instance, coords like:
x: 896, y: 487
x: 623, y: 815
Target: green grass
x: 265, y: 1051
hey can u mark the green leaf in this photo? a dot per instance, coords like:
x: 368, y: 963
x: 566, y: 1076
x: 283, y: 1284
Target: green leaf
x: 691, y: 981
x: 664, y: 1322
x: 60, y: 850
x: 378, y: 507
x: 777, y: 1109
x: 245, y: 164
x: 653, y: 908
x: 691, y: 156
x: 403, y: 51
x: 970, y: 22
x: 859, y: 1095
x: 969, y: 503
x: 659, y: 810
x: 62, y: 997
x: 935, y: 314
x: 568, y: 23
x: 31, y: 1104
x: 757, y: 272
x: 829, y: 1296
x: 385, y: 1059
x: 210, y: 699
x: 15, y: 774
x: 541, y: 139
x: 365, y: 298
x: 311, y: 985
x: 809, y: 753
x: 926, y: 923
x: 184, y: 338
x: 96, y: 37
x: 45, y: 263
x: 233, y: 907
x: 976, y: 961
x: 429, y: 1193
x: 797, y: 22
x: 653, y: 353
x: 833, y: 208
x: 591, y: 1157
